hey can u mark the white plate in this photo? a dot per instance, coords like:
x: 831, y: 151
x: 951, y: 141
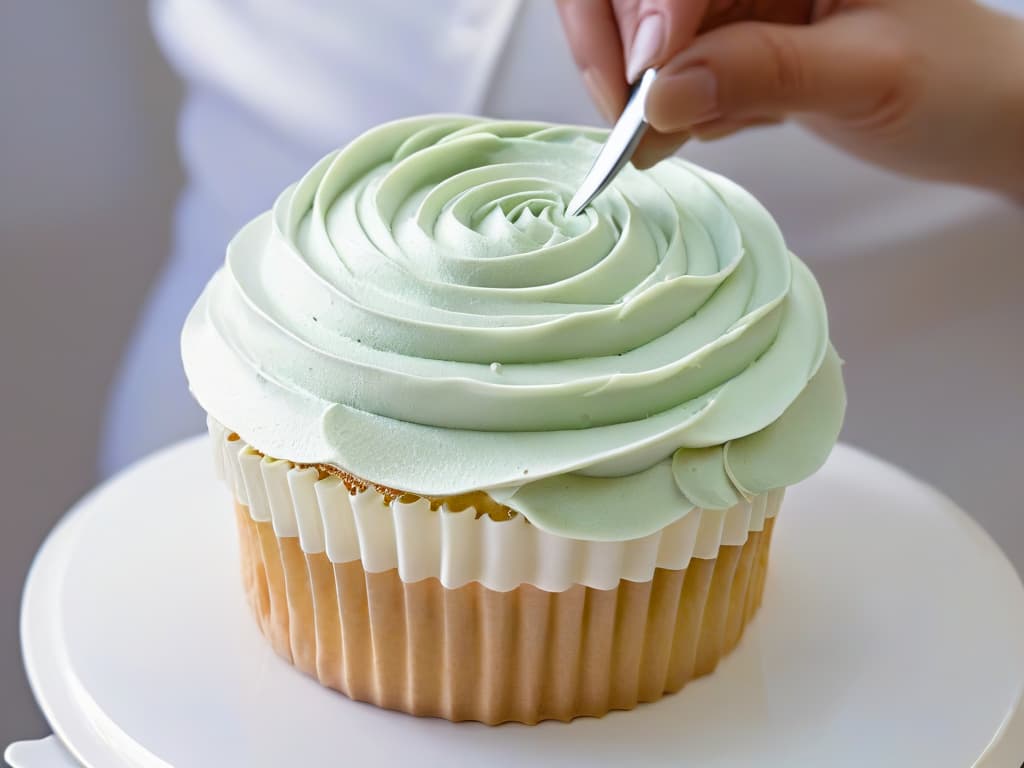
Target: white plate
x: 892, y: 634
x: 44, y: 753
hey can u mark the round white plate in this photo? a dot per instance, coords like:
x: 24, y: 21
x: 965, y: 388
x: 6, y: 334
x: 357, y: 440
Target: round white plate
x: 892, y: 634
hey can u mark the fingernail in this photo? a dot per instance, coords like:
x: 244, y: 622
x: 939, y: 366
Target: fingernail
x: 647, y: 44
x: 599, y: 95
x: 679, y: 101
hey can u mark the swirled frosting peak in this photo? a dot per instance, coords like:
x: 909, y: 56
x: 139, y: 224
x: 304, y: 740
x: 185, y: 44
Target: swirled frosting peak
x: 419, y: 311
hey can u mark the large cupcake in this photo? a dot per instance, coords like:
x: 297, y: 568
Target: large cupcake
x: 494, y: 463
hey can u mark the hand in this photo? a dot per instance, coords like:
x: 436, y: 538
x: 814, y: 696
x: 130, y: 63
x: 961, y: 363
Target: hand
x: 926, y: 87
x: 606, y: 34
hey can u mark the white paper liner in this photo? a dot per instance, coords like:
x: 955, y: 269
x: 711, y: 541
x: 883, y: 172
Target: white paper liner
x: 458, y: 547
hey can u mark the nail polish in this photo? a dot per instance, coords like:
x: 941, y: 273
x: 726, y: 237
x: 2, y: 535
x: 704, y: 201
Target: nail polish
x: 647, y: 44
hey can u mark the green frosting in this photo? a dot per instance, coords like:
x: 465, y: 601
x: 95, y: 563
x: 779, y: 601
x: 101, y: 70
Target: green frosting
x: 420, y: 311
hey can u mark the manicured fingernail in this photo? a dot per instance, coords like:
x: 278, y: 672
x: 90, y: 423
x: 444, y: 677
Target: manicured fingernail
x: 647, y: 44
x: 682, y: 100
x: 599, y: 95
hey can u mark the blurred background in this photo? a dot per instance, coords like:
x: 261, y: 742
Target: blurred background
x: 88, y: 179
x: 926, y: 311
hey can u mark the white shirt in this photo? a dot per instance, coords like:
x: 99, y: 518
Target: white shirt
x: 921, y: 279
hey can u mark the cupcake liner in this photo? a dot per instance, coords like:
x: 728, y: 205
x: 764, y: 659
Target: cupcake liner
x: 457, y: 615
x: 461, y: 548
x: 473, y: 653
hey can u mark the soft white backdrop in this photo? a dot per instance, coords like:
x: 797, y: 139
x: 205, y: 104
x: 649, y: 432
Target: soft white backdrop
x: 932, y: 332
x: 88, y: 178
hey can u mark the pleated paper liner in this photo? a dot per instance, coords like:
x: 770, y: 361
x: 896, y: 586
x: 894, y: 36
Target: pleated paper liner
x: 462, y: 547
x: 419, y: 607
x: 473, y: 653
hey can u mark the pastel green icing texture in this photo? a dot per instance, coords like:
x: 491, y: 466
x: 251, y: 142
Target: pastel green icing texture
x: 420, y: 311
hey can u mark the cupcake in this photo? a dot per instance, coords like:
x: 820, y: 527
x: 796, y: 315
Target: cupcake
x: 491, y: 462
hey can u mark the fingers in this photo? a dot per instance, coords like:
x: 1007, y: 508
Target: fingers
x: 721, y: 128
x: 776, y: 11
x: 655, y: 147
x: 614, y: 41
x: 593, y: 35
x: 651, y: 30
x: 755, y: 71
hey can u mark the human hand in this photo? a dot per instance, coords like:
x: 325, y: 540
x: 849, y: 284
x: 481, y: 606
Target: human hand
x: 926, y: 87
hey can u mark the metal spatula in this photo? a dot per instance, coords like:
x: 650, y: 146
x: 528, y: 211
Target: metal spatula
x: 618, y: 149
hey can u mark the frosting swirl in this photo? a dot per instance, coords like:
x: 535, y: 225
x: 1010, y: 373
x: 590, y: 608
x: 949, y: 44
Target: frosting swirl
x: 418, y: 310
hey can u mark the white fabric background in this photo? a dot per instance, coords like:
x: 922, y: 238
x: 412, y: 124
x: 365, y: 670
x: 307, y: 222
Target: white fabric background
x: 922, y: 280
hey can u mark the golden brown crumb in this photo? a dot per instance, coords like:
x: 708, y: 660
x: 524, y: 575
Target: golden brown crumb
x: 480, y: 501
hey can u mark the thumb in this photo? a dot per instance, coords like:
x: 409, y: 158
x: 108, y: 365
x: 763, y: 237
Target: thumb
x: 751, y: 71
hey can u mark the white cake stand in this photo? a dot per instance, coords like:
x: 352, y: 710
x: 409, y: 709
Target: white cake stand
x: 892, y: 634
